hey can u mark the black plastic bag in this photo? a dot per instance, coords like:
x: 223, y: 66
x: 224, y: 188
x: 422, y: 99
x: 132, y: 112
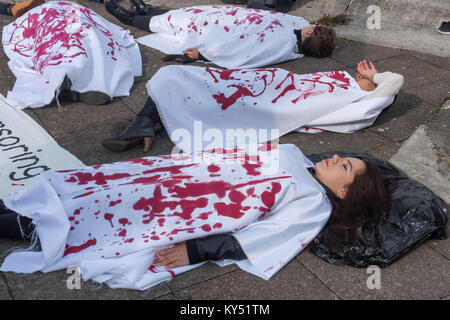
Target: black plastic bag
x: 416, y: 215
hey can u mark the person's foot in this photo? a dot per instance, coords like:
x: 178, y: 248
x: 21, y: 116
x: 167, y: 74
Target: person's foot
x: 141, y: 129
x: 22, y: 7
x: 119, y: 12
x: 139, y: 7
x: 444, y: 28
x: 95, y: 98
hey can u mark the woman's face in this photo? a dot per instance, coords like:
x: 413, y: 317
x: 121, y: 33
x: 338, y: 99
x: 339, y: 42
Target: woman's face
x: 338, y: 173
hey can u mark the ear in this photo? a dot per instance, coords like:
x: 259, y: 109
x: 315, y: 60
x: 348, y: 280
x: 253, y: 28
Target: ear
x: 310, y: 31
x: 342, y: 193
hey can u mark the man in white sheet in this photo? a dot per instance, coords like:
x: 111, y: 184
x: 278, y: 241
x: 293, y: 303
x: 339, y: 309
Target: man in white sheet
x: 270, y: 99
x: 228, y: 36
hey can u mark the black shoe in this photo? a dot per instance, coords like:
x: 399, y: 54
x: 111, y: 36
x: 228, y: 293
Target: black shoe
x: 139, y: 7
x: 119, y: 12
x: 140, y: 130
x: 91, y: 97
x: 444, y: 28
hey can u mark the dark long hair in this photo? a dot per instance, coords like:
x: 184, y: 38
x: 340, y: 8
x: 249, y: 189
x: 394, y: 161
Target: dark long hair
x: 319, y: 45
x: 366, y: 201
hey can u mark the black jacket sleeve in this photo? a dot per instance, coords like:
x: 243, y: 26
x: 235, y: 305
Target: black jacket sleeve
x: 217, y: 247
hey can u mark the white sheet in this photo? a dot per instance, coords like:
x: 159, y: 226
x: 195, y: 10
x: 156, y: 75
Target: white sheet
x: 62, y: 38
x: 110, y: 219
x: 26, y: 150
x: 230, y: 37
x: 206, y: 107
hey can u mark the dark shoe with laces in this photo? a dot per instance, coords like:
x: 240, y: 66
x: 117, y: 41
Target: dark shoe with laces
x: 444, y: 28
x: 119, y: 12
x: 139, y: 7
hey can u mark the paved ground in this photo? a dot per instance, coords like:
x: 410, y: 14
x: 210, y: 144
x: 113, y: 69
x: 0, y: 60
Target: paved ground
x: 422, y: 274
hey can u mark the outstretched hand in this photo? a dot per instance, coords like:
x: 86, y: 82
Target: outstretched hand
x: 192, y: 53
x: 367, y: 70
x: 172, y: 257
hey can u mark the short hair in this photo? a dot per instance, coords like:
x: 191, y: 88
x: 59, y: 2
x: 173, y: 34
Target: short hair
x: 321, y: 44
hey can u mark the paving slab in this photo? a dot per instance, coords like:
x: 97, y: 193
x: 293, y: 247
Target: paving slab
x: 422, y: 79
x: 351, y: 52
x: 53, y: 286
x: 399, y: 120
x: 77, y: 116
x: 363, y: 140
x: 4, y: 290
x: 198, y: 275
x: 293, y: 282
x: 86, y: 144
x: 421, y: 274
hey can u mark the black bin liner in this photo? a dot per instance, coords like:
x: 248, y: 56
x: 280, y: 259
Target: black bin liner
x: 416, y: 215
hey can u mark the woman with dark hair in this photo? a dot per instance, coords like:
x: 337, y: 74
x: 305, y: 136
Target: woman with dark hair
x: 130, y: 223
x: 231, y: 37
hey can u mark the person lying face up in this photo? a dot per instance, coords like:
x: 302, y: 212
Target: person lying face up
x: 208, y: 107
x: 115, y: 221
x: 228, y: 36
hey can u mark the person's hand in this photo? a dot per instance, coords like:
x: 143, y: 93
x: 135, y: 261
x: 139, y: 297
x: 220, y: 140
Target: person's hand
x: 172, y: 257
x: 192, y: 53
x: 366, y: 70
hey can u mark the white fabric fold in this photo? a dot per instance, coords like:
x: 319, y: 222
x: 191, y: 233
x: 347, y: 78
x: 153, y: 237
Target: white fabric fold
x: 61, y: 38
x: 109, y: 220
x: 230, y: 37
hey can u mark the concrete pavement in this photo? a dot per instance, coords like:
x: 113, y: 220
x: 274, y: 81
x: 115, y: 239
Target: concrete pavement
x: 419, y: 113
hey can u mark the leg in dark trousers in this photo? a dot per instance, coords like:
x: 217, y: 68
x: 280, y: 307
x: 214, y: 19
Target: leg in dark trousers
x: 142, y: 128
x: 139, y: 14
x: 9, y: 224
x: 6, y: 8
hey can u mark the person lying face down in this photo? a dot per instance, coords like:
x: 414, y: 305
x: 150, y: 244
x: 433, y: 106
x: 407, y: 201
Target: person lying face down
x: 111, y: 220
x: 228, y: 36
x: 57, y: 59
x: 245, y: 101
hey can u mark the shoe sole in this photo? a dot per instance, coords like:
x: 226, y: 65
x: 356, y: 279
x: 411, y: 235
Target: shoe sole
x: 444, y: 32
x: 94, y: 98
x: 120, y: 146
x: 21, y: 8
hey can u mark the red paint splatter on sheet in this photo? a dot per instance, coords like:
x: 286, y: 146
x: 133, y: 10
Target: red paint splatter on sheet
x: 155, y: 269
x: 83, y: 195
x: 109, y: 217
x: 265, y: 75
x: 213, y: 168
x: 99, y: 178
x: 114, y: 203
x: 45, y: 37
x: 76, y: 249
x: 268, y: 197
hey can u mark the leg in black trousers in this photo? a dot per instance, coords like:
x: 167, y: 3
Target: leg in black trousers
x: 139, y: 14
x: 142, y: 128
x: 13, y: 225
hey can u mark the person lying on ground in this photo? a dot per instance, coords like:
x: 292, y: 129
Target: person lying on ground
x: 62, y: 50
x: 135, y: 223
x: 19, y: 8
x: 228, y: 36
x: 274, y: 100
